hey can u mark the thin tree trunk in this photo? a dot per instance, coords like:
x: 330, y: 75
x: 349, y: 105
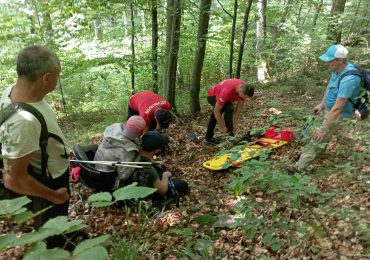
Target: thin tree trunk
x: 242, y: 38
x: 205, y: 7
x: 264, y: 17
x: 169, y: 22
x: 172, y: 61
x: 334, y: 32
x: 285, y: 14
x: 262, y: 67
x: 125, y: 23
x: 143, y: 24
x: 98, y: 29
x: 318, y: 8
x: 132, y: 66
x: 366, y: 11
x: 299, y: 12
x: 154, y: 47
x: 354, y: 20
x: 232, y: 38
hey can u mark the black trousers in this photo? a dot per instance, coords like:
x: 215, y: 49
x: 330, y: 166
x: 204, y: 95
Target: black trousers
x: 38, y: 204
x: 132, y: 112
x: 227, y: 111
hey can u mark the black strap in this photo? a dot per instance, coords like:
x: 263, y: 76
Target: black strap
x: 44, y: 134
x: 356, y: 72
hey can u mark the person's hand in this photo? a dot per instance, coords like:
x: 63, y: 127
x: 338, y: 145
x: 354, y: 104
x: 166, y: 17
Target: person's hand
x: 357, y: 115
x: 167, y: 174
x: 159, y: 164
x: 317, y: 109
x: 223, y: 129
x: 61, y: 196
x: 318, y: 135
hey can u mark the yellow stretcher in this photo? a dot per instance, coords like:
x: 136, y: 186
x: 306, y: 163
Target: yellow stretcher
x: 224, y: 161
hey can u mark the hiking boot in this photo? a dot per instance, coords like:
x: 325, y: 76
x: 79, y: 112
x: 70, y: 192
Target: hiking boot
x: 212, y: 140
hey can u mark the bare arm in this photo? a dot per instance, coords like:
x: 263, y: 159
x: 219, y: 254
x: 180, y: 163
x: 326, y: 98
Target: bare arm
x: 333, y: 115
x: 220, y: 120
x: 162, y: 185
x: 17, y: 179
x: 336, y: 110
x: 321, y: 106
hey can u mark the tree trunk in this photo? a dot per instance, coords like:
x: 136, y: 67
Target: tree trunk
x: 365, y: 14
x: 143, y: 23
x: 242, y: 37
x: 264, y: 17
x: 154, y: 47
x: 318, y: 8
x: 205, y: 7
x: 126, y: 24
x: 47, y: 24
x: 232, y: 38
x: 334, y: 32
x: 262, y: 67
x: 169, y: 22
x: 285, y: 14
x: 172, y: 57
x: 98, y: 29
x: 132, y: 66
x: 299, y: 12
x: 354, y: 20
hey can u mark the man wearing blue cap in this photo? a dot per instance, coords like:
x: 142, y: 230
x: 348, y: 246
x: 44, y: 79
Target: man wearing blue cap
x: 335, y: 104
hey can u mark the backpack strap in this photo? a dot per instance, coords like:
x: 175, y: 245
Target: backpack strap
x: 44, y: 135
x: 356, y: 72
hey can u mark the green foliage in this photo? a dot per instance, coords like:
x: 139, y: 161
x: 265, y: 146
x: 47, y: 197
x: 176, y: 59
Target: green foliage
x: 91, y: 248
x: 11, y: 209
x: 186, y: 233
x: 283, y: 189
x: 202, y: 249
x: 39, y: 251
x: 127, y: 249
x: 128, y: 192
x: 206, y: 219
x: 14, y: 206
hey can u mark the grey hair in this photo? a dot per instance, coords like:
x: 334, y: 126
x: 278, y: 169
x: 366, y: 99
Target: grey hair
x: 36, y: 60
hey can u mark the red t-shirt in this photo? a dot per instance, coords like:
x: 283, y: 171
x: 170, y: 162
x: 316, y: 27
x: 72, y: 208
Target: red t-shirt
x: 146, y: 103
x: 225, y: 91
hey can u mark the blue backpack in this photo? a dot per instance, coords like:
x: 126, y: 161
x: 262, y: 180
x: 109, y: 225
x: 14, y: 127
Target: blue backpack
x: 362, y: 103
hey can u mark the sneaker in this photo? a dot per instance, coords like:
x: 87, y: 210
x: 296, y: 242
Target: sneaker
x: 212, y: 140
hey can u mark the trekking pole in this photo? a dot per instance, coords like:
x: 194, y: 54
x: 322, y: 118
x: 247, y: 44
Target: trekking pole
x: 307, y: 127
x: 114, y: 163
x: 110, y: 162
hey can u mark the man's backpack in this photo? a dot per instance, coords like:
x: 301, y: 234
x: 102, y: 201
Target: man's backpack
x: 362, y: 103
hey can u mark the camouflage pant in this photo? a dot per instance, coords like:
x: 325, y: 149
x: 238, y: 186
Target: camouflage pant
x: 311, y: 150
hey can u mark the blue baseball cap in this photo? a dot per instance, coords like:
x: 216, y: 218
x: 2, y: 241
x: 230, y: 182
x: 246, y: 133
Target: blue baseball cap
x: 335, y: 51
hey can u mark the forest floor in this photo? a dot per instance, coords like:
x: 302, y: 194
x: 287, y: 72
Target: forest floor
x: 337, y: 228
